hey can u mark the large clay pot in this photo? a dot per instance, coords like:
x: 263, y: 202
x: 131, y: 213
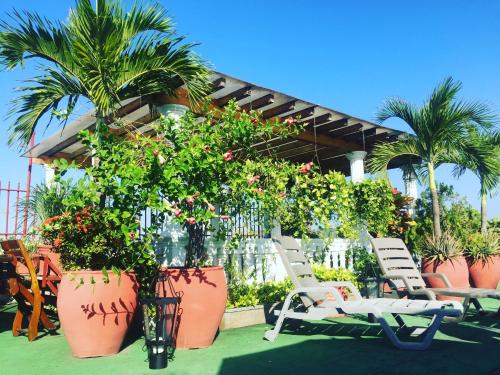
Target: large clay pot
x: 485, y: 274
x: 455, y: 269
x: 203, y: 293
x: 95, y: 316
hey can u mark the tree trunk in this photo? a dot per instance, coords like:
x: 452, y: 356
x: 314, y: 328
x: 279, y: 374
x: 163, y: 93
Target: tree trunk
x: 436, y: 216
x: 484, y: 218
x: 100, y: 125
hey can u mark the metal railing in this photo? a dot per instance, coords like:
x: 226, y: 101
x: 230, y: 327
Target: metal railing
x: 13, y: 218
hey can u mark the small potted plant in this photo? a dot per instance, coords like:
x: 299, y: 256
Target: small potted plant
x: 366, y: 270
x: 444, y: 255
x: 483, y: 257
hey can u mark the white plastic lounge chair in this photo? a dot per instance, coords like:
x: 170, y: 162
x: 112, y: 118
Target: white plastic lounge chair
x: 399, y: 268
x: 323, y: 300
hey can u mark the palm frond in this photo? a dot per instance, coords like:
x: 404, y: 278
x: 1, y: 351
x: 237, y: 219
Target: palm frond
x: 41, y: 96
x: 384, y: 153
x: 103, y: 53
x: 31, y: 36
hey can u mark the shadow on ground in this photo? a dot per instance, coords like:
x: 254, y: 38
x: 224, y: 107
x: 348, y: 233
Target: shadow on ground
x: 346, y: 347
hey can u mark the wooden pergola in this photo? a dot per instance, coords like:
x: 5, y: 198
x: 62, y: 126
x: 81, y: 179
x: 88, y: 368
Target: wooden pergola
x: 328, y: 137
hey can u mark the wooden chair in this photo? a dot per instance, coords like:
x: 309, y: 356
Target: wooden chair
x: 28, y: 297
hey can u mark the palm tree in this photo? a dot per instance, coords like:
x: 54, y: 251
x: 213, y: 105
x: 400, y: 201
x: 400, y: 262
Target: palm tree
x: 440, y: 127
x: 104, y: 55
x: 482, y: 158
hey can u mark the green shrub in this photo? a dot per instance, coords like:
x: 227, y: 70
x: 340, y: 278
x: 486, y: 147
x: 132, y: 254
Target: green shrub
x: 323, y: 273
x: 441, y: 249
x: 242, y: 294
x: 482, y: 247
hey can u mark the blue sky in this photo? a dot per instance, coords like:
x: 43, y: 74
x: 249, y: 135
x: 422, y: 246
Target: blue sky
x: 349, y: 56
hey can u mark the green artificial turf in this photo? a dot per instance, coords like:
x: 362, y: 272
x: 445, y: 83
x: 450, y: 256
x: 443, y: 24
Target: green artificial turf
x: 340, y: 346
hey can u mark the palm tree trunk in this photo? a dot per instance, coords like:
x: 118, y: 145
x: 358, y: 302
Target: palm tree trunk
x: 484, y: 218
x: 100, y: 125
x: 436, y: 215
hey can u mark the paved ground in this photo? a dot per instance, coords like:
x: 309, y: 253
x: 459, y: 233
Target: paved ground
x: 343, y: 346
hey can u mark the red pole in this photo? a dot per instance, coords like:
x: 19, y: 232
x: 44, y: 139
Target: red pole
x: 16, y: 228
x: 28, y: 188
x: 7, y: 212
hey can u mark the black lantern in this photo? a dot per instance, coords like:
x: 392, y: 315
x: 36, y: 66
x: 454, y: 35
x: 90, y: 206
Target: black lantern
x: 160, y: 318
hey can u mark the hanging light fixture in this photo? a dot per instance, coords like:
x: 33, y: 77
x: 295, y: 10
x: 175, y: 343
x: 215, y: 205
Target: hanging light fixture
x: 160, y: 318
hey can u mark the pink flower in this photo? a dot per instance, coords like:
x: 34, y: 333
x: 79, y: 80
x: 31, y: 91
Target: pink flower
x: 259, y: 191
x: 191, y: 220
x: 196, y: 195
x: 228, y: 155
x: 282, y: 194
x: 211, y: 207
x: 306, y: 168
x: 395, y: 191
x: 254, y: 121
x: 290, y: 121
x: 206, y: 148
x: 177, y: 212
x: 161, y: 159
x: 224, y: 217
x: 253, y: 179
x: 190, y: 200
x: 156, y: 152
x: 131, y: 235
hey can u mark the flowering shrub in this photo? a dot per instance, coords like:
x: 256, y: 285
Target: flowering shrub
x: 86, y: 239
x: 320, y: 201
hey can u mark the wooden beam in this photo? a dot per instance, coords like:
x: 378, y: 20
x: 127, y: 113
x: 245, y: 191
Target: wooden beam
x: 218, y: 84
x: 326, y: 140
x: 258, y: 103
x: 237, y: 95
x: 304, y: 113
x: 279, y: 110
x: 332, y: 125
x: 346, y: 130
x: 321, y: 119
x: 82, y: 160
x: 358, y: 136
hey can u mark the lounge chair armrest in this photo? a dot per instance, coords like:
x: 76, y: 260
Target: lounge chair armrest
x: 346, y: 284
x: 440, y: 275
x: 317, y: 289
x: 400, y: 277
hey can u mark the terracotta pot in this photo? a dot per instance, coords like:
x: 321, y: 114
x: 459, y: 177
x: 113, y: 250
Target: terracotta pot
x: 55, y: 258
x: 203, y: 293
x: 95, y: 317
x: 455, y: 269
x: 485, y: 274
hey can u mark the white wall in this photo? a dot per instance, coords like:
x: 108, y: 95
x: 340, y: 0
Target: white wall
x: 257, y: 256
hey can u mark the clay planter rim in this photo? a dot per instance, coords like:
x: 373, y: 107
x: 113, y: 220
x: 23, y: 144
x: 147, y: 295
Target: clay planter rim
x: 455, y: 258
x: 490, y: 259
x: 190, y: 268
x: 95, y: 271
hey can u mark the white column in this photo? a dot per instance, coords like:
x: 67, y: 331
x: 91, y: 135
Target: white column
x: 356, y: 159
x: 49, y: 175
x: 410, y: 181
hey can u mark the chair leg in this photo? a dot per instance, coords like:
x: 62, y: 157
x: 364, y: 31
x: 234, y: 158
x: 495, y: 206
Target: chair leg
x: 427, y: 335
x: 17, y: 324
x: 35, y: 317
x: 272, y: 334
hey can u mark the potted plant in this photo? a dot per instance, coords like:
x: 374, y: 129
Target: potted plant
x: 210, y: 173
x: 44, y: 203
x: 444, y: 255
x: 483, y: 258
x: 366, y: 270
x: 97, y: 296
